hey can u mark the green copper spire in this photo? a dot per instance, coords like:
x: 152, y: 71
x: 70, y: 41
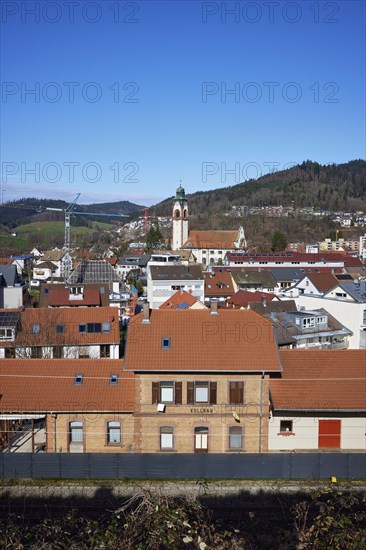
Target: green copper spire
x: 181, y: 194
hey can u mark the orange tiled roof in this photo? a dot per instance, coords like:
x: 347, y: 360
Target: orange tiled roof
x: 232, y: 340
x: 178, y: 299
x: 58, y: 295
x: 211, y: 239
x: 49, y: 318
x: 30, y: 385
x: 321, y: 380
x: 244, y: 297
x: 219, y: 283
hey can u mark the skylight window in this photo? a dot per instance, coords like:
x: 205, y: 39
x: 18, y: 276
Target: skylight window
x: 113, y: 380
x: 36, y: 328
x: 78, y: 379
x: 165, y: 343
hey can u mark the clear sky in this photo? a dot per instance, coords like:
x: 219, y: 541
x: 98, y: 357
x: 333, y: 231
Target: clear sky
x: 129, y: 98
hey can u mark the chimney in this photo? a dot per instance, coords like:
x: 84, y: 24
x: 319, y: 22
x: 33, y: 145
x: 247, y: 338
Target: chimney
x: 213, y: 308
x: 145, y: 313
x: 264, y: 301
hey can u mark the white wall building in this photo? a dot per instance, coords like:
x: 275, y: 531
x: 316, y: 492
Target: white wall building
x: 180, y: 219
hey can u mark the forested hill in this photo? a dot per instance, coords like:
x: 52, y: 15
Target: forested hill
x: 30, y: 210
x: 330, y: 187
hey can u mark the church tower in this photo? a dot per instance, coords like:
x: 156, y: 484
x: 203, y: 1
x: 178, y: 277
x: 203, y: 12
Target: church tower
x: 180, y: 219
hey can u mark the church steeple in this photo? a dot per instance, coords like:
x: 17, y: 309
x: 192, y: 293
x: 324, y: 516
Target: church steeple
x: 180, y: 219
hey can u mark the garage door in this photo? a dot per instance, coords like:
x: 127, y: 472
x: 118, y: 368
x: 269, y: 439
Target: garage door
x: 329, y: 434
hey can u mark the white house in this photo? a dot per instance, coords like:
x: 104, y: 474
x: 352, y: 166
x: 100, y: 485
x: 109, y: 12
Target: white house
x: 319, y: 402
x: 164, y: 280
x: 347, y: 303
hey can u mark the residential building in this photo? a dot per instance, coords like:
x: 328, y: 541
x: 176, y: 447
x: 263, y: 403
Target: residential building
x: 164, y: 280
x: 134, y: 264
x: 201, y: 380
x: 101, y: 272
x: 218, y: 286
x: 182, y: 300
x: 319, y: 403
x: 291, y: 259
x: 253, y: 280
x: 243, y: 298
x: 84, y: 406
x: 67, y: 333
x: 52, y: 265
x: 315, y: 329
x: 347, y: 303
x: 79, y: 295
x: 13, y: 290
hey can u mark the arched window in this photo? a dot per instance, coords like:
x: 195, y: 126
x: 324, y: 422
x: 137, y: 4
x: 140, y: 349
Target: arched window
x: 113, y: 432
x: 177, y: 214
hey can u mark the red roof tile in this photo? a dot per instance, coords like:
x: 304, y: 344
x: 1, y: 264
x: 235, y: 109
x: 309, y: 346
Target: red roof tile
x: 49, y: 318
x: 321, y: 380
x: 244, y: 297
x: 323, y: 281
x: 219, y: 284
x: 180, y: 298
x: 30, y: 385
x: 232, y: 340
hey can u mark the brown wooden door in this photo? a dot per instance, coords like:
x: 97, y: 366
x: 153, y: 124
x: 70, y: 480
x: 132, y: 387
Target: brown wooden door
x: 329, y: 434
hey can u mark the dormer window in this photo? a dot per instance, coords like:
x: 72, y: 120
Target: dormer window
x: 165, y: 343
x: 308, y: 322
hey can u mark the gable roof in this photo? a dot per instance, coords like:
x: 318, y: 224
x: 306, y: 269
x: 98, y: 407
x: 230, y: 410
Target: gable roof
x: 316, y: 380
x: 211, y: 239
x: 242, y: 298
x: 264, y: 278
x: 31, y: 385
x: 230, y: 341
x: 71, y: 318
x: 219, y: 284
x: 9, y: 276
x: 272, y: 306
x: 59, y: 296
x: 94, y: 271
x: 322, y: 281
x: 181, y: 300
x: 357, y: 291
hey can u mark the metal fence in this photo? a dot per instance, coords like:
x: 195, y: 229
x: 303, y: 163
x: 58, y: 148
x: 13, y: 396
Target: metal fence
x: 182, y: 466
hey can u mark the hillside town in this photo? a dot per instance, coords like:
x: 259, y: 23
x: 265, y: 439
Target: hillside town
x: 196, y: 346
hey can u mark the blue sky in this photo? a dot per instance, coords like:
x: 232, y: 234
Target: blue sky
x: 132, y: 97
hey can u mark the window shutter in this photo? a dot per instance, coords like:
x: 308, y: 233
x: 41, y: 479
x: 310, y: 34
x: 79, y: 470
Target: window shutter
x: 155, y: 392
x: 213, y: 393
x: 236, y: 390
x: 190, y: 393
x: 178, y: 393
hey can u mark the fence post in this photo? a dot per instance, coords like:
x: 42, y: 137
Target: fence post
x: 31, y: 464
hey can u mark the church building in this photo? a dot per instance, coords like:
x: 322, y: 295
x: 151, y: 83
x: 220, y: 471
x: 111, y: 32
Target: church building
x: 208, y: 247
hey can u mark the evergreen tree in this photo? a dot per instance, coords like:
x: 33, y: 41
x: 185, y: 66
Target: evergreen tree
x: 279, y: 241
x: 154, y: 238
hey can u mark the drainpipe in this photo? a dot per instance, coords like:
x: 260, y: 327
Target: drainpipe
x: 54, y: 416
x: 261, y: 412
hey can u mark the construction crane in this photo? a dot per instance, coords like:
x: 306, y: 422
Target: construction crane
x: 68, y: 211
x: 146, y: 218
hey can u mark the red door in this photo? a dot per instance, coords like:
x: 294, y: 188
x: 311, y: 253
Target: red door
x: 329, y: 434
